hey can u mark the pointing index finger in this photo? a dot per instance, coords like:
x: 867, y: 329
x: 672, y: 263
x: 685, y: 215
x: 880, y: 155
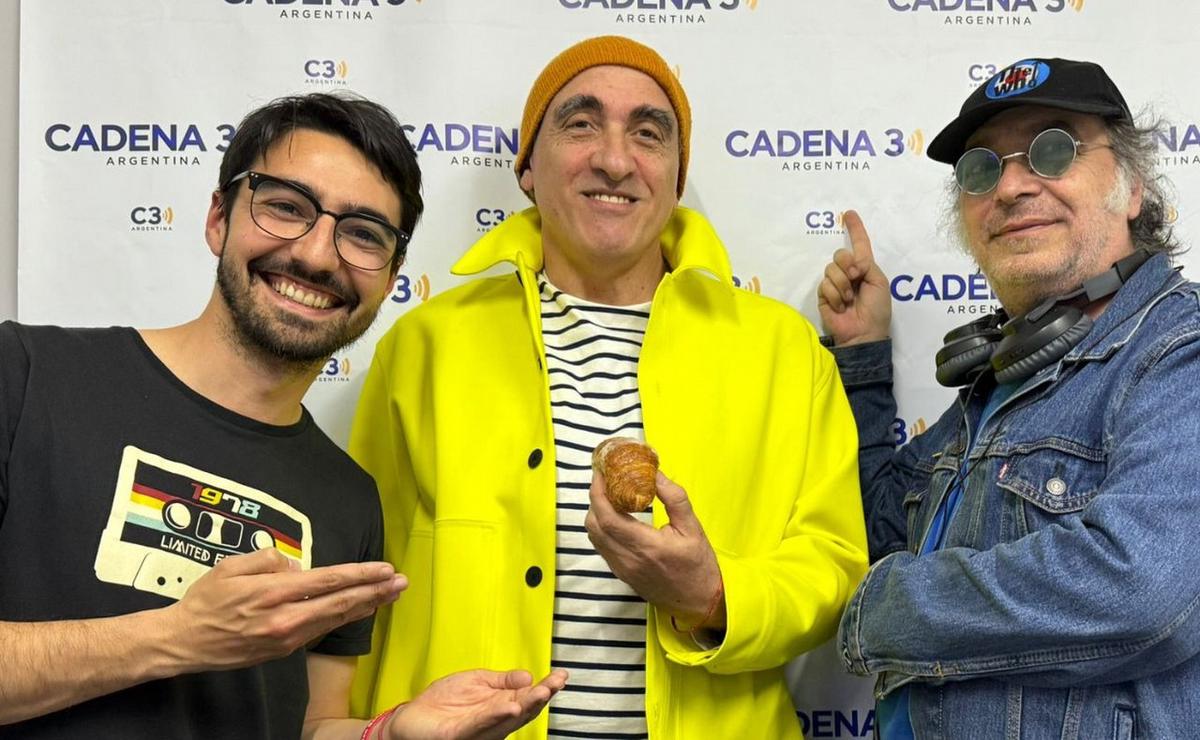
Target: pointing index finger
x: 860, y: 241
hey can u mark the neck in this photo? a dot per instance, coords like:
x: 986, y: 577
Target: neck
x: 1021, y: 298
x: 207, y: 357
x: 610, y: 284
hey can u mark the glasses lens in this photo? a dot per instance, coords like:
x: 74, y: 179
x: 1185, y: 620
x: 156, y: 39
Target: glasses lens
x: 977, y: 171
x: 365, y: 243
x: 282, y: 210
x: 1052, y: 152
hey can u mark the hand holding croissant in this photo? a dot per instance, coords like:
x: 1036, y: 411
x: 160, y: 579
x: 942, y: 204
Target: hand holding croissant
x: 673, y: 567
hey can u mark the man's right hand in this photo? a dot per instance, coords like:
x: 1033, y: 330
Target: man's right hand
x: 854, y: 297
x: 260, y: 606
x: 474, y: 705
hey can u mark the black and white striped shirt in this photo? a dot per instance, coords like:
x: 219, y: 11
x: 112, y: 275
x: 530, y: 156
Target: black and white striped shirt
x: 599, y: 630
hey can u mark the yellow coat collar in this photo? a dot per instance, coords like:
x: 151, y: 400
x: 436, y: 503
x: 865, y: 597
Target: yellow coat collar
x: 688, y: 241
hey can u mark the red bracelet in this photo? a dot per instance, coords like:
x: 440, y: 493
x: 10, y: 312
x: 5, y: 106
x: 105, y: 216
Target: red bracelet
x: 379, y: 719
x: 712, y: 609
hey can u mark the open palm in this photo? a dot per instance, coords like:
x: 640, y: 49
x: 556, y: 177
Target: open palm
x: 475, y: 705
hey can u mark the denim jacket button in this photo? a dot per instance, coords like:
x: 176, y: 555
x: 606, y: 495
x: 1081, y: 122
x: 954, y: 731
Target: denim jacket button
x: 1056, y: 487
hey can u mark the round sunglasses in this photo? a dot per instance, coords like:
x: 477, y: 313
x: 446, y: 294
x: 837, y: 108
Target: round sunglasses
x: 1050, y: 154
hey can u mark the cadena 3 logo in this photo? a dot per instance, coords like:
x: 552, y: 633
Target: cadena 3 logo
x: 407, y: 288
x: 660, y: 12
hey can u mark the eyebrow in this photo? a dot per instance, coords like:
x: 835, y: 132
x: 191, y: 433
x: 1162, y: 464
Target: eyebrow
x: 657, y: 116
x: 591, y: 104
x: 351, y: 207
x: 575, y: 104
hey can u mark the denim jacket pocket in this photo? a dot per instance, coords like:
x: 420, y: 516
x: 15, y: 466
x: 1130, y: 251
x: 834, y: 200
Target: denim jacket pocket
x: 1056, y: 477
x: 915, y: 498
x: 912, y: 506
x: 1124, y: 722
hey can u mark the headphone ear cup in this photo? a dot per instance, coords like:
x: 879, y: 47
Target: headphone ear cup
x: 966, y: 351
x: 1028, y: 347
x: 958, y: 368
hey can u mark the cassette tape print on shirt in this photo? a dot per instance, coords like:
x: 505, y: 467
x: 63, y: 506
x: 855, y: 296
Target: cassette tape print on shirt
x: 170, y: 523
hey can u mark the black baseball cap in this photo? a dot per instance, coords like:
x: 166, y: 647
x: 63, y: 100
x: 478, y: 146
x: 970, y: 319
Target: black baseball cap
x: 1082, y: 87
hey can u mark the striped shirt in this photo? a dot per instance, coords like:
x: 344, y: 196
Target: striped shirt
x: 599, y: 632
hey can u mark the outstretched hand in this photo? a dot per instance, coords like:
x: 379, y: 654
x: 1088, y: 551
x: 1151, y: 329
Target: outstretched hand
x: 854, y: 297
x: 473, y: 705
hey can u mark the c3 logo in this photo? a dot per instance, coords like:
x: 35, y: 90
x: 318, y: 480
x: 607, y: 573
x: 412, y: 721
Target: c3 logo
x: 336, y: 367
x: 904, y: 432
x: 151, y: 215
x: 981, y: 72
x: 752, y: 284
x: 489, y: 217
x: 823, y: 219
x: 326, y: 68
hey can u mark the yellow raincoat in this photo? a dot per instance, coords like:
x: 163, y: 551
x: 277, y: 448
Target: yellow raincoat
x: 747, y: 413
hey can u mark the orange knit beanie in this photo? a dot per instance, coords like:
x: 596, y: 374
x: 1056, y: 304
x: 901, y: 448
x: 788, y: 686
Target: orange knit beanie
x: 594, y: 52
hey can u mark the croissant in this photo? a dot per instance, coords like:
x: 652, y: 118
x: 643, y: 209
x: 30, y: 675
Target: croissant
x: 629, y: 468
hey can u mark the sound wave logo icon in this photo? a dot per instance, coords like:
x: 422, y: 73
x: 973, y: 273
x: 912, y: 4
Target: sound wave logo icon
x: 753, y: 285
x: 916, y: 142
x: 421, y: 287
x: 344, y: 366
x: 1171, y: 215
x: 1076, y: 4
x: 918, y: 427
x: 752, y: 4
x: 168, y: 215
x: 343, y: 69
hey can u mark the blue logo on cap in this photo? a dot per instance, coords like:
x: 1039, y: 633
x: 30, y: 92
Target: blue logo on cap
x: 1017, y: 79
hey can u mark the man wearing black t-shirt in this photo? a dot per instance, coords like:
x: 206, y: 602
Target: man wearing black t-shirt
x: 183, y: 553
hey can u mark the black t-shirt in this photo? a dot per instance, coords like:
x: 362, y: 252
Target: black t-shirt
x: 119, y: 486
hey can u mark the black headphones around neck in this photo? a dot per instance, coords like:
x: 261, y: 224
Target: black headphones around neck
x: 1015, y: 349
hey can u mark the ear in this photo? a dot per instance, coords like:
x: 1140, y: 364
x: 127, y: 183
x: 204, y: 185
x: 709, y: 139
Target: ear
x: 215, y: 225
x: 1136, y: 192
x: 526, y: 179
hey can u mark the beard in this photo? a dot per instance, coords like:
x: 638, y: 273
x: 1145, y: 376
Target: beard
x: 284, y: 336
x: 1032, y: 282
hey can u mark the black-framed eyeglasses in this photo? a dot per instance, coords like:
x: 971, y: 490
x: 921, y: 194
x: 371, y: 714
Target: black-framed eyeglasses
x: 287, y: 211
x: 1050, y: 154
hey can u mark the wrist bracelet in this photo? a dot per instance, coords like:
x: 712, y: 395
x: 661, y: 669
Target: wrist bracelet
x: 712, y: 609
x: 377, y: 720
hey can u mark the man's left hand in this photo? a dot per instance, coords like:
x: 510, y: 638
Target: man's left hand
x: 673, y: 568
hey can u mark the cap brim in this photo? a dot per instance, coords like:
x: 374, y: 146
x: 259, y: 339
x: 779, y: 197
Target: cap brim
x: 948, y: 145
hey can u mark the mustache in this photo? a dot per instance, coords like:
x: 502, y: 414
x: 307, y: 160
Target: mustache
x: 293, y: 268
x: 1002, y: 216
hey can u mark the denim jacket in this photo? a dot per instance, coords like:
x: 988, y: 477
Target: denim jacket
x: 1064, y: 601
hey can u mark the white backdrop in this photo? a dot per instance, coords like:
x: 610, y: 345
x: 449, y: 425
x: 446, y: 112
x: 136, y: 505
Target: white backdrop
x: 802, y: 109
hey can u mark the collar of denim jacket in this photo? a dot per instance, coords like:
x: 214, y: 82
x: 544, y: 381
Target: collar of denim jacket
x: 1152, y: 282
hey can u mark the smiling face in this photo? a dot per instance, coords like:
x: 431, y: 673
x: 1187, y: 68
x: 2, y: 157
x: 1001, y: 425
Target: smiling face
x: 603, y: 173
x: 295, y: 299
x: 1036, y: 237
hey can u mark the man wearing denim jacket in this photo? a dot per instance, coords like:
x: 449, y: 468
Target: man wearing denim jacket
x: 1034, y: 572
